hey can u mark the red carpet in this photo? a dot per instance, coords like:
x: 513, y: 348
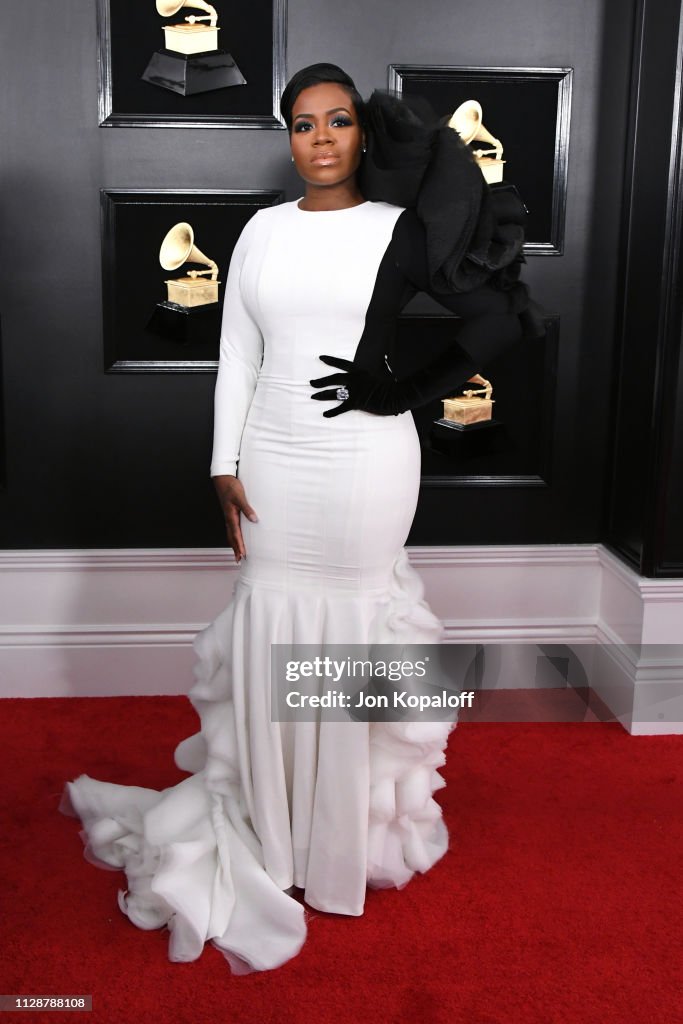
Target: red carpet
x: 559, y: 901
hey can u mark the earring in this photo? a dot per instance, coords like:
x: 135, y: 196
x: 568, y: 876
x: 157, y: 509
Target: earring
x: 365, y: 148
x: 292, y: 159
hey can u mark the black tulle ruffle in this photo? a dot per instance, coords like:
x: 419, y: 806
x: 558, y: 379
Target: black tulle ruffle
x: 474, y: 231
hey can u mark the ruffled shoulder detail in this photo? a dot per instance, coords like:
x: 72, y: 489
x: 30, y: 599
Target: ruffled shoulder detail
x: 474, y: 231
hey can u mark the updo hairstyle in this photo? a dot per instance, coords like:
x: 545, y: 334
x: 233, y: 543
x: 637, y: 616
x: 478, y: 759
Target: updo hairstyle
x: 318, y: 74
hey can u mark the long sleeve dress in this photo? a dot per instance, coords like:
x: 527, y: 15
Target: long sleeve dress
x: 328, y: 806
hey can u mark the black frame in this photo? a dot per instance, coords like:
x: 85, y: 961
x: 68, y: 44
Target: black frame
x: 642, y: 522
x: 415, y: 79
x: 133, y: 222
x: 524, y: 379
x: 112, y: 63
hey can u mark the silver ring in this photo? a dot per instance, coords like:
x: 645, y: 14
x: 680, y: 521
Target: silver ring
x: 342, y: 393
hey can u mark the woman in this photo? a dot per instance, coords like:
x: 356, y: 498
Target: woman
x: 317, y: 517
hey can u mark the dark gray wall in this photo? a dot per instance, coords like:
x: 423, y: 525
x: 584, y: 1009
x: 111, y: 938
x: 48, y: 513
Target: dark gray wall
x: 122, y: 460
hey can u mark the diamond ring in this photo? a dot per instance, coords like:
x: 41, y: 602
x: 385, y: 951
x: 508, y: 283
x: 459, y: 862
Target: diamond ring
x: 342, y: 393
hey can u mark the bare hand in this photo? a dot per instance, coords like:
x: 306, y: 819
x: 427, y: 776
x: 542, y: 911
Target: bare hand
x: 233, y: 501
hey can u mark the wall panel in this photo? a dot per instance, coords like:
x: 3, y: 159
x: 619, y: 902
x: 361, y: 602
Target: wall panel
x: 96, y: 460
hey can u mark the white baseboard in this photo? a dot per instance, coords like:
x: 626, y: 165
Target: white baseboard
x: 105, y: 623
x: 117, y: 622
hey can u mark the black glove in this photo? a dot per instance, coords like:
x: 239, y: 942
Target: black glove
x: 383, y: 395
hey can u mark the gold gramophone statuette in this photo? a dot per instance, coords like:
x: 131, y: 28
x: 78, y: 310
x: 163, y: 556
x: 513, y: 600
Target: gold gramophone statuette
x: 190, y: 36
x: 467, y: 122
x: 191, y: 62
x: 470, y: 407
x: 178, y: 248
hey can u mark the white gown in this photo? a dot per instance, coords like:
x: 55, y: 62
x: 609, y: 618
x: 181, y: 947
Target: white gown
x: 326, y: 806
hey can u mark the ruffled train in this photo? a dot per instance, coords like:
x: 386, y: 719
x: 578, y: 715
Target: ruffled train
x: 331, y: 807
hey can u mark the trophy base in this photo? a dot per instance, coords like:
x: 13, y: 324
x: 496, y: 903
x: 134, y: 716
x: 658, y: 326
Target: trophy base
x: 468, y: 441
x: 189, y: 39
x: 491, y: 169
x: 464, y: 411
x: 189, y: 74
x: 186, y: 325
x: 191, y: 292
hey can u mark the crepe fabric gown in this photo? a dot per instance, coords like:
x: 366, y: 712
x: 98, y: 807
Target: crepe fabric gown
x: 328, y: 806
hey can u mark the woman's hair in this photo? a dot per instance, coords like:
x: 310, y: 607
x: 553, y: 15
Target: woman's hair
x: 317, y: 74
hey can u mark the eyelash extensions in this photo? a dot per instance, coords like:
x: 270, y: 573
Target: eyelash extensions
x: 341, y: 120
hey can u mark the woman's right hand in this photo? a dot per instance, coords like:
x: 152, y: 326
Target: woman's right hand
x: 233, y: 500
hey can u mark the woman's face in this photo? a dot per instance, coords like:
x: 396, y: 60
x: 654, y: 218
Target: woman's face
x: 326, y: 139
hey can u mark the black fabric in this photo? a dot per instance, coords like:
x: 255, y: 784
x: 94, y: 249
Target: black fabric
x: 474, y: 232
x: 400, y: 145
x: 459, y: 240
x: 490, y: 324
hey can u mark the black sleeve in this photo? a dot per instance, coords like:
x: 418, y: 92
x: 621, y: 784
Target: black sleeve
x: 409, y: 247
x: 489, y: 324
x: 402, y: 273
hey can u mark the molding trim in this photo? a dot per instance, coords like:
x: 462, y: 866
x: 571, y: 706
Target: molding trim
x: 492, y: 554
x: 661, y: 589
x: 77, y: 622
x: 97, y: 636
x: 220, y: 558
x: 127, y: 559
